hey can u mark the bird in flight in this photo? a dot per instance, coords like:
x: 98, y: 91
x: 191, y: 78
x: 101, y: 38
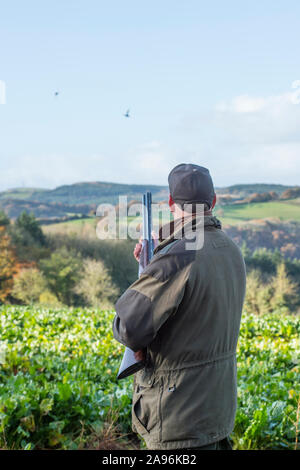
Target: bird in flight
x: 56, y: 93
x: 127, y: 113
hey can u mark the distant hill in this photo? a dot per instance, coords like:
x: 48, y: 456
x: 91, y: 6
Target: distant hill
x: 45, y: 210
x: 244, y: 190
x: 86, y: 193
x: 77, y: 199
x: 97, y: 193
x: 80, y: 199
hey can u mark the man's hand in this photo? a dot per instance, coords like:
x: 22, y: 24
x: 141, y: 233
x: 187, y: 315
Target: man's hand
x: 138, y: 247
x: 140, y: 355
x: 137, y: 251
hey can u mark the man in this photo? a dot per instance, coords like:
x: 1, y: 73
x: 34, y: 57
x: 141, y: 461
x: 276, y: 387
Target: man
x: 183, y: 315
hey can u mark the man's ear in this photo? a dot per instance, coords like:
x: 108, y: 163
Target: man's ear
x: 171, y: 203
x: 214, y: 202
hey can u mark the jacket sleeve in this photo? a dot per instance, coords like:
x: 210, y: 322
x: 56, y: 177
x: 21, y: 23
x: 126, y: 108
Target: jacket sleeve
x: 149, y: 302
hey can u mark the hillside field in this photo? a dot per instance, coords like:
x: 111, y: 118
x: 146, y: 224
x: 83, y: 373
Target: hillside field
x: 58, y: 386
x: 229, y: 214
x: 236, y: 214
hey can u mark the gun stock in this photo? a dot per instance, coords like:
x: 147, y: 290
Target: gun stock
x: 129, y: 365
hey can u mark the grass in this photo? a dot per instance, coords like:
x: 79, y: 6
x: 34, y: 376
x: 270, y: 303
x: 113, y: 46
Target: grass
x: 232, y: 214
x: 19, y: 193
x: 81, y: 227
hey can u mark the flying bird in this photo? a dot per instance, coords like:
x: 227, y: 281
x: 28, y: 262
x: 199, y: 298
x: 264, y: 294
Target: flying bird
x: 127, y: 113
x: 56, y: 93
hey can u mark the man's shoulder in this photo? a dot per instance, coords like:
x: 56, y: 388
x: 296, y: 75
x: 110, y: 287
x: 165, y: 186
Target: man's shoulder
x: 169, y: 260
x: 219, y: 248
x: 219, y: 239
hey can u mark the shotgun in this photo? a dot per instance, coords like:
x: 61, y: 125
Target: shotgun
x: 129, y: 365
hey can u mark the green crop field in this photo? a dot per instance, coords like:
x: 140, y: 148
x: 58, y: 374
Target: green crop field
x: 58, y: 382
x: 19, y: 193
x: 233, y: 214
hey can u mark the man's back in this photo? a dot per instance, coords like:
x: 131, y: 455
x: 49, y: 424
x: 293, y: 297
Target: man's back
x: 187, y: 306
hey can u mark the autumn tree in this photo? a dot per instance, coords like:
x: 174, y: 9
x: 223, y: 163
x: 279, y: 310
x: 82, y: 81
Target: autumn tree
x: 28, y: 238
x: 8, y: 262
x: 274, y: 293
x: 30, y: 229
x: 258, y: 294
x: 62, y: 271
x: 4, y: 220
x: 29, y: 285
x: 95, y: 285
x: 284, y: 289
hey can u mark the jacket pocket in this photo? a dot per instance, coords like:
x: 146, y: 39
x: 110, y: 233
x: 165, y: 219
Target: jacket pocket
x: 145, y: 405
x: 199, y: 402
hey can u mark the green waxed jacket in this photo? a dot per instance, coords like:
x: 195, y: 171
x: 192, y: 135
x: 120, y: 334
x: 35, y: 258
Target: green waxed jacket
x: 185, y: 309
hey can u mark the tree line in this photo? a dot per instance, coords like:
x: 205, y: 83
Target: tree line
x: 65, y: 269
x: 59, y: 270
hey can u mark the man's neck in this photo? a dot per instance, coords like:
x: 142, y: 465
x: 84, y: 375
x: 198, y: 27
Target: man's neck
x: 180, y: 218
x: 181, y: 215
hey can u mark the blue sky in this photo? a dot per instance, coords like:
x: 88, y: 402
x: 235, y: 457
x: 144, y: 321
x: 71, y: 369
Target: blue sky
x: 206, y: 82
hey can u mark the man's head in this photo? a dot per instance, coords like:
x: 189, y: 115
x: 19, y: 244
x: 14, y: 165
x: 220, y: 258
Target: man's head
x: 190, y: 184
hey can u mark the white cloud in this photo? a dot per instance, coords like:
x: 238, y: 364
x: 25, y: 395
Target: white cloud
x: 254, y: 104
x: 250, y: 139
x: 242, y: 104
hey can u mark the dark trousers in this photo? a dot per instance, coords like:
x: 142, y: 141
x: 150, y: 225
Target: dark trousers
x: 224, y: 444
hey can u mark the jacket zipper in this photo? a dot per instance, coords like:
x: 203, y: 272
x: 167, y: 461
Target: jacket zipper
x: 161, y: 389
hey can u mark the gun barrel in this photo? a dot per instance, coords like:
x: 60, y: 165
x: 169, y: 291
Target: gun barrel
x: 149, y: 226
x: 129, y: 365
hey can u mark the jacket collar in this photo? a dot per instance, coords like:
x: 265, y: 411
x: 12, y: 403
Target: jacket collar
x: 176, y: 229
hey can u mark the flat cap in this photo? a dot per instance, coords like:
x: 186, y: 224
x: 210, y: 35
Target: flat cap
x: 190, y: 183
